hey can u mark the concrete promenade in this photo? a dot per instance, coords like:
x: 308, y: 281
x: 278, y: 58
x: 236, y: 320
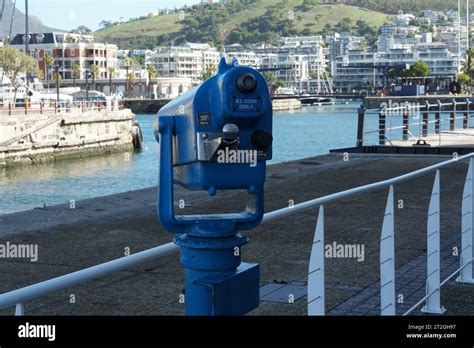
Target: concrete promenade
x: 103, y: 229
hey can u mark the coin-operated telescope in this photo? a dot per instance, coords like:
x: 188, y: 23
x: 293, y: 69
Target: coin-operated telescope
x: 216, y: 137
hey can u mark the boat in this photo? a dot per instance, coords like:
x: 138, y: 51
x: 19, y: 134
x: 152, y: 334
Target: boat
x: 316, y: 101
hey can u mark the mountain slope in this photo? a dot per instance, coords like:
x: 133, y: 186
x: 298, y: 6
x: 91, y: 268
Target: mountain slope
x: 216, y: 22
x: 35, y: 24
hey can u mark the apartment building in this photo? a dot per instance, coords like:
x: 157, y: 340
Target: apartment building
x: 341, y: 43
x: 189, y: 60
x: 363, y: 69
x: 68, y: 49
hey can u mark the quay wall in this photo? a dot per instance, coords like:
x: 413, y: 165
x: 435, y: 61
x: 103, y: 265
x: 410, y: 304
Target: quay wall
x: 293, y: 104
x: 27, y: 139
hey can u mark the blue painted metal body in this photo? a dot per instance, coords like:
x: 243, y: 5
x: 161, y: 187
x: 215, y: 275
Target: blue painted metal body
x: 217, y: 283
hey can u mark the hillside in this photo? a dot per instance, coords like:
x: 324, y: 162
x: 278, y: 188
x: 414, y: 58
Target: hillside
x: 245, y: 21
x: 407, y: 6
x: 18, y: 21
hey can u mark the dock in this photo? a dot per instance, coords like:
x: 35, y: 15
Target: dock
x: 105, y: 228
x: 39, y: 133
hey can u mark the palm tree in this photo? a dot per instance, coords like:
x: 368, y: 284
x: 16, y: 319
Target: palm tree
x: 95, y: 71
x: 111, y: 72
x: 128, y: 62
x: 48, y: 60
x: 151, y: 74
x: 76, y: 71
x: 130, y: 81
x: 469, y: 66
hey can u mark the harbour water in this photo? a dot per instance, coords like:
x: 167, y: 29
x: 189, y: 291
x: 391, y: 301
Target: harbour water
x: 310, y: 132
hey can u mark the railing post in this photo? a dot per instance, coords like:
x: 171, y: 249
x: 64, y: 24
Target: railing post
x: 433, y: 302
x: 10, y: 108
x: 452, y: 119
x: 405, y: 122
x: 467, y: 229
x: 20, y: 309
x: 438, y: 118
x: 316, y: 282
x: 41, y: 107
x: 26, y: 107
x: 465, y: 121
x: 382, y: 128
x: 387, y: 259
x: 426, y: 119
x: 360, y: 126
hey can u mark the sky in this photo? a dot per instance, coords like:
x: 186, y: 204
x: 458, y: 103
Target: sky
x: 69, y: 14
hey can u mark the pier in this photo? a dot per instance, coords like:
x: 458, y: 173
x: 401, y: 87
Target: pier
x: 34, y: 133
x: 107, y: 228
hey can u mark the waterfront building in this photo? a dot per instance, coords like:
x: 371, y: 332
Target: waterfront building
x: 68, y: 49
x: 359, y: 69
x: 188, y: 60
x: 340, y: 43
x: 296, y: 61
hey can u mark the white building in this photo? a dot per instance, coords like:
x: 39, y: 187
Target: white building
x: 189, y: 60
x: 363, y: 69
x: 296, y: 61
x: 341, y: 43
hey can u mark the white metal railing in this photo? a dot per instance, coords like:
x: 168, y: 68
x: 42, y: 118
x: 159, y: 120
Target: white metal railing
x: 316, y: 282
x: 52, y: 106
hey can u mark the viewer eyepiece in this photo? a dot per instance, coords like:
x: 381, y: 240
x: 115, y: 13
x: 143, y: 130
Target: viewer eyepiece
x: 246, y: 83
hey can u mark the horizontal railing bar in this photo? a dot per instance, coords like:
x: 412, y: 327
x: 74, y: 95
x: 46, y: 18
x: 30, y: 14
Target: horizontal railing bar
x: 437, y: 289
x: 361, y: 189
x: 40, y: 289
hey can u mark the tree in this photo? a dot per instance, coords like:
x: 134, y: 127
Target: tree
x: 127, y: 63
x: 151, y: 74
x: 272, y: 81
x: 208, y: 72
x: 130, y: 82
x: 469, y: 65
x: 111, y: 72
x: 419, y: 69
x: 105, y: 24
x: 95, y: 71
x: 82, y: 29
x: 48, y: 60
x: 15, y: 63
x: 463, y: 79
x: 76, y: 70
x: 139, y: 60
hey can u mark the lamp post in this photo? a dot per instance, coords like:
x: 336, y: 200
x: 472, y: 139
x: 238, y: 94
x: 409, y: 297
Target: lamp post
x: 57, y: 82
x: 49, y: 70
x: 87, y: 73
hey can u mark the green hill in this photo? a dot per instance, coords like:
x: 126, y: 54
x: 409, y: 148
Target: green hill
x: 244, y: 21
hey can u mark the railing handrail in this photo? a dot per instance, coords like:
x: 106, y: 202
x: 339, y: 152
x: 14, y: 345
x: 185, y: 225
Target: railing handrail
x: 37, y: 290
x: 361, y: 189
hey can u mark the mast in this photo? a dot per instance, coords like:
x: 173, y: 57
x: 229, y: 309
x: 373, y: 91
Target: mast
x: 3, y: 9
x: 459, y: 36
x: 468, y: 23
x: 27, y: 34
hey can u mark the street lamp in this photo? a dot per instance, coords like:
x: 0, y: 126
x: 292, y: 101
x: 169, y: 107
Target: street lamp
x: 87, y: 75
x: 49, y: 74
x: 57, y: 66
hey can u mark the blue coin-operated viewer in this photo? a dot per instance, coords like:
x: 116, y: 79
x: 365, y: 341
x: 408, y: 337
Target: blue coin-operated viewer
x: 216, y: 137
